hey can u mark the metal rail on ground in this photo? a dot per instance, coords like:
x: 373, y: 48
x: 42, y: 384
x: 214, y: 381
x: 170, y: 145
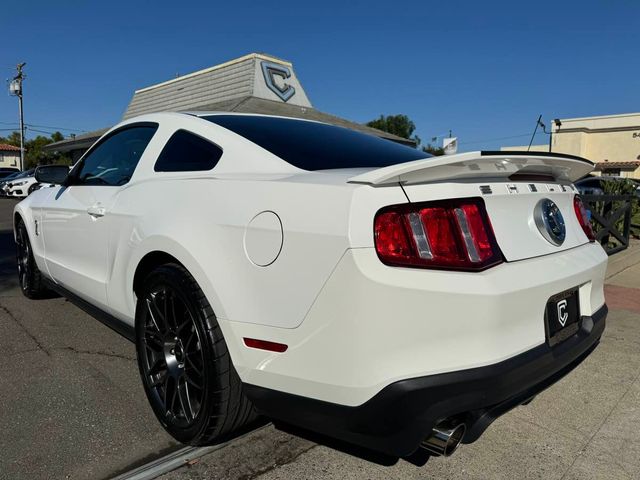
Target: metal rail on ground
x: 174, y: 460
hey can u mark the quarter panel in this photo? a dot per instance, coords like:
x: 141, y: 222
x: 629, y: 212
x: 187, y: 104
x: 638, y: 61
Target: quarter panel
x: 202, y: 222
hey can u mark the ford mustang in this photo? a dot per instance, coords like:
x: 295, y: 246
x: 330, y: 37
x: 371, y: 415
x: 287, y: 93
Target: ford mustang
x: 321, y: 277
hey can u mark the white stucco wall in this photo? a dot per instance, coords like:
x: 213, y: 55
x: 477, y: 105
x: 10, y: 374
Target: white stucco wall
x: 607, y: 138
x: 9, y: 159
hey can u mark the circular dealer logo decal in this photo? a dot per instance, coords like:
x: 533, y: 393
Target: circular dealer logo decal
x: 550, y: 222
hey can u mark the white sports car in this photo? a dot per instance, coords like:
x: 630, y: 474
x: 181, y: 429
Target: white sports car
x: 322, y: 277
x: 21, y: 186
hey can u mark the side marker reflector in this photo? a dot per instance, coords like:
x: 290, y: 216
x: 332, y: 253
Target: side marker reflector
x: 265, y: 345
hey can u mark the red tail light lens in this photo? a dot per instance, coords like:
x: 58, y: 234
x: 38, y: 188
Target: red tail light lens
x: 454, y: 235
x: 583, y: 218
x: 392, y: 238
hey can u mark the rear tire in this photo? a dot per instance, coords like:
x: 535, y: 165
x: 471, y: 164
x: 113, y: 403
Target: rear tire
x: 184, y: 363
x: 29, y: 276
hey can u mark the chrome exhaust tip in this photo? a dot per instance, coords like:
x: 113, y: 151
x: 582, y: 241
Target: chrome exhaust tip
x: 444, y: 439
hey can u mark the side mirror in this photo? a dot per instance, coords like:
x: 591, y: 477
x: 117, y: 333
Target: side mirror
x: 56, y: 174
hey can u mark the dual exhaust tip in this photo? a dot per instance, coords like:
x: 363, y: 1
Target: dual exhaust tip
x: 444, y: 439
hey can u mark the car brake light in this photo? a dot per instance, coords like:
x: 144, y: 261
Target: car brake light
x: 454, y: 234
x: 583, y: 218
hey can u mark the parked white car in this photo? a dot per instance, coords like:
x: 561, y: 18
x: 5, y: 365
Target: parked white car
x: 322, y: 277
x: 7, y: 179
x: 14, y: 186
x: 23, y: 186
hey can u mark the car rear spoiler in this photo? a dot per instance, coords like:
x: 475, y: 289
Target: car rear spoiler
x: 485, y: 166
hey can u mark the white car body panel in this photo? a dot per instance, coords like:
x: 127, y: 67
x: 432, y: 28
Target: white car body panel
x: 353, y: 325
x: 403, y: 323
x: 76, y: 243
x: 277, y: 297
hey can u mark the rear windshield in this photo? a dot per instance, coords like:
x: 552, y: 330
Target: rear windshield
x: 317, y: 146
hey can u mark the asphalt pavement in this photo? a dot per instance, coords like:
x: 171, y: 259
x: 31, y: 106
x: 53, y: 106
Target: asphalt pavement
x: 71, y: 402
x: 587, y: 426
x: 72, y: 407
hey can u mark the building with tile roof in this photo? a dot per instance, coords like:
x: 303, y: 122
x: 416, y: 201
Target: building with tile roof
x: 9, y: 156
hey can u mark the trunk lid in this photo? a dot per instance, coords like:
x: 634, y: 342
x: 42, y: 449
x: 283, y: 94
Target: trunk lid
x: 512, y: 185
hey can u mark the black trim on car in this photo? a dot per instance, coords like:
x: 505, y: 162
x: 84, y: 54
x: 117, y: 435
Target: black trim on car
x: 521, y: 153
x: 118, y: 326
x: 402, y: 414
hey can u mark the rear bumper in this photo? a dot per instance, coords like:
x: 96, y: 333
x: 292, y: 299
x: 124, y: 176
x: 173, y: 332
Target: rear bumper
x: 373, y: 325
x: 396, y: 419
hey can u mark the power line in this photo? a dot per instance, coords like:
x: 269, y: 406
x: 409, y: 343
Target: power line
x: 471, y: 142
x: 45, y: 126
x: 56, y: 128
x: 494, y: 139
x: 39, y: 131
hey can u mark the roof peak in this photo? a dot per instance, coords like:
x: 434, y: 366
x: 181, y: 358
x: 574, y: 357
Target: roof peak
x: 254, y: 55
x: 253, y: 75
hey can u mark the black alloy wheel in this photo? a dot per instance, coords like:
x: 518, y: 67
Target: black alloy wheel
x: 29, y: 276
x: 172, y: 359
x: 184, y: 363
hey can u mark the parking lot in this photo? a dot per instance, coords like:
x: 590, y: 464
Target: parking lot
x: 72, y: 406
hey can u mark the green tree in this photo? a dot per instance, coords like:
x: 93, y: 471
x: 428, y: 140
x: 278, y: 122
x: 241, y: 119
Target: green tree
x: 399, y: 125
x: 433, y: 150
x: 34, y: 155
x: 403, y: 126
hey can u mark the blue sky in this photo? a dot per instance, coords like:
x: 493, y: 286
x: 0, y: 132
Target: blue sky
x: 486, y: 70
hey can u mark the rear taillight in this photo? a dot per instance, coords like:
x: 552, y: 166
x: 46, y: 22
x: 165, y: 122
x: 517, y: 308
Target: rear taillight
x: 454, y: 234
x: 583, y: 218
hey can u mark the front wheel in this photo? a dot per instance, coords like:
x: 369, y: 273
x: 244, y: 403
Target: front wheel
x: 29, y: 275
x: 184, y: 363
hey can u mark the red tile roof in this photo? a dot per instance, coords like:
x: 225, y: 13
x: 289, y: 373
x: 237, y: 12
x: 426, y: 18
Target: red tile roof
x: 632, y: 165
x: 8, y: 148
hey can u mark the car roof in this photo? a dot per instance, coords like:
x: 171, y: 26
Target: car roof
x: 201, y: 114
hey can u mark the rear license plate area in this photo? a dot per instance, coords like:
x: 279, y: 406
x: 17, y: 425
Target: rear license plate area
x: 562, y: 316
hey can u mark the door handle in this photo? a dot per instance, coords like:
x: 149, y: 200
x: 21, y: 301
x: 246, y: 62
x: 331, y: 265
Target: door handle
x: 97, y: 210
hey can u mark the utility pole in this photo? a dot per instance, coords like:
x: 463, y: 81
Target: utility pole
x: 15, y: 88
x: 538, y: 122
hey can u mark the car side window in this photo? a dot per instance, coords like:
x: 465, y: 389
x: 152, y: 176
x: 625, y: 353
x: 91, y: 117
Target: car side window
x: 186, y: 152
x: 113, y: 161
